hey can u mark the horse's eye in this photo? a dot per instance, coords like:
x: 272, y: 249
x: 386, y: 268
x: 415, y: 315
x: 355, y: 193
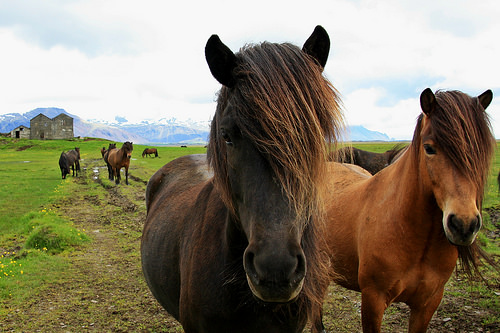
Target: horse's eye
x: 226, y: 137
x: 429, y: 150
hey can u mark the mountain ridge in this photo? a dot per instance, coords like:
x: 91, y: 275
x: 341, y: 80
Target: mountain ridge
x: 163, y: 131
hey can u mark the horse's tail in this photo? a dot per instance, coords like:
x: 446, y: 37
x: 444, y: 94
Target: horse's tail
x: 156, y: 155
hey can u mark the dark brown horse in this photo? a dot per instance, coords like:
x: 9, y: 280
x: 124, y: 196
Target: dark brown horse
x: 150, y: 151
x: 240, y: 249
x: 370, y: 161
x: 70, y: 160
x: 104, y: 150
x: 396, y: 236
x: 117, y: 159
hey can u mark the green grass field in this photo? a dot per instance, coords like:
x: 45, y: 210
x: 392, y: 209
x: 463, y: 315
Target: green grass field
x: 36, y: 242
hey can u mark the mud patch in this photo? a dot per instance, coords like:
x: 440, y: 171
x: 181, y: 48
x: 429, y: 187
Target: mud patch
x: 24, y: 147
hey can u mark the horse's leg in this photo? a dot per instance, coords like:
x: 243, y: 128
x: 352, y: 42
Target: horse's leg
x: 73, y: 168
x: 421, y: 313
x: 110, y: 172
x: 117, y: 175
x: 126, y: 175
x: 373, y: 306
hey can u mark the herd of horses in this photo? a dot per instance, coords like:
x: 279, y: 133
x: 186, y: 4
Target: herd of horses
x: 248, y: 237
x: 114, y: 158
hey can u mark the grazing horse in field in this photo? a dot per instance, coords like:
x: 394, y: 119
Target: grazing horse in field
x: 117, y: 159
x: 370, y: 161
x: 150, y: 151
x: 396, y: 236
x: 68, y: 160
x: 238, y: 247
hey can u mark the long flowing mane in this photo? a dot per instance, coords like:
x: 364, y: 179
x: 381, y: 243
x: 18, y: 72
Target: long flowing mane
x: 462, y: 129
x: 290, y: 111
x: 292, y: 115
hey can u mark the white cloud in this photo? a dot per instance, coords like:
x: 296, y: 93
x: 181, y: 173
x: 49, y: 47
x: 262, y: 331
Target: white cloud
x: 102, y: 58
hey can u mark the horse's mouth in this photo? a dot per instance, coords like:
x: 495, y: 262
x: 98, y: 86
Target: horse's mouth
x: 274, y: 293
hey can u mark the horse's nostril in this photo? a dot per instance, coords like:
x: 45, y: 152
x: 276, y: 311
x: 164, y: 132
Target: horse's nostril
x: 475, y: 224
x: 249, y: 265
x: 455, y: 224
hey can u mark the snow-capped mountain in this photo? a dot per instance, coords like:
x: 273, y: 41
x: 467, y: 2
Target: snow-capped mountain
x: 162, y: 131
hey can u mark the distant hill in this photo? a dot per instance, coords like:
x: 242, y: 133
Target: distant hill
x: 163, y: 131
x: 360, y: 133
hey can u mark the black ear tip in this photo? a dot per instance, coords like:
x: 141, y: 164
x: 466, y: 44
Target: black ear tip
x: 486, y: 98
x: 426, y: 92
x: 321, y: 31
x: 318, y: 45
x: 221, y: 61
x: 212, y: 41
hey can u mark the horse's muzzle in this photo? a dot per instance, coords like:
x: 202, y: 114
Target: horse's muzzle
x: 462, y: 231
x: 275, y: 278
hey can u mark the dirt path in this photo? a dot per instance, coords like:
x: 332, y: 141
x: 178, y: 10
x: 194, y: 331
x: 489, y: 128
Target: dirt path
x: 104, y: 290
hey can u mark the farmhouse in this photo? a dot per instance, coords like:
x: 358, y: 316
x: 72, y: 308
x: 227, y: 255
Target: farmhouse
x: 21, y: 132
x: 59, y: 127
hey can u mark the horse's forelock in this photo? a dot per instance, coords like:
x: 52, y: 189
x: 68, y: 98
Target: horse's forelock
x: 463, y: 131
x: 289, y: 111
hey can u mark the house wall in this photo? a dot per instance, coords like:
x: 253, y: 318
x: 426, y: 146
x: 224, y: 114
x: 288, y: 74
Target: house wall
x: 21, y: 132
x: 60, y: 127
x: 41, y: 127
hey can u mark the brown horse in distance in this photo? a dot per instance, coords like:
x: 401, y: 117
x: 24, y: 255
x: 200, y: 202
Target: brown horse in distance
x: 238, y: 247
x: 370, y: 161
x: 396, y: 236
x: 150, y: 151
x: 117, y: 159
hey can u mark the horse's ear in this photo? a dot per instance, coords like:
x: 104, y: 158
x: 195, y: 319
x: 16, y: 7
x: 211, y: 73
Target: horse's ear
x: 427, y: 101
x: 221, y: 61
x: 318, y: 45
x: 485, y: 98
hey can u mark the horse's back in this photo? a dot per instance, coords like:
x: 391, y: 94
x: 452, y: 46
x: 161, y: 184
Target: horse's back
x: 345, y: 174
x: 178, y: 175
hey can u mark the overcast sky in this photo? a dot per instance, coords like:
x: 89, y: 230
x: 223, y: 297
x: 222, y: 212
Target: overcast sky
x: 99, y: 59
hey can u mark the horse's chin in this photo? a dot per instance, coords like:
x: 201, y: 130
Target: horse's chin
x: 274, y: 295
x: 459, y: 241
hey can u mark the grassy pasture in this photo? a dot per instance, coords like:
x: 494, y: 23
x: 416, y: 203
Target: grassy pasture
x: 38, y: 242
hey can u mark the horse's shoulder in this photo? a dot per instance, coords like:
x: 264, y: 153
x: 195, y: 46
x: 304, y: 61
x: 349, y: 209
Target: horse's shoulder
x: 177, y: 176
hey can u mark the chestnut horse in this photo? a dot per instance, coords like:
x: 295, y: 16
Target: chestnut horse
x: 370, y: 161
x: 150, y: 151
x: 70, y: 160
x: 117, y: 159
x: 396, y: 236
x: 239, y: 248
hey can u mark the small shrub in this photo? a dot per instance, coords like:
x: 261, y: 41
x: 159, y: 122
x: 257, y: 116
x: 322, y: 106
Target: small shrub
x: 54, y: 238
